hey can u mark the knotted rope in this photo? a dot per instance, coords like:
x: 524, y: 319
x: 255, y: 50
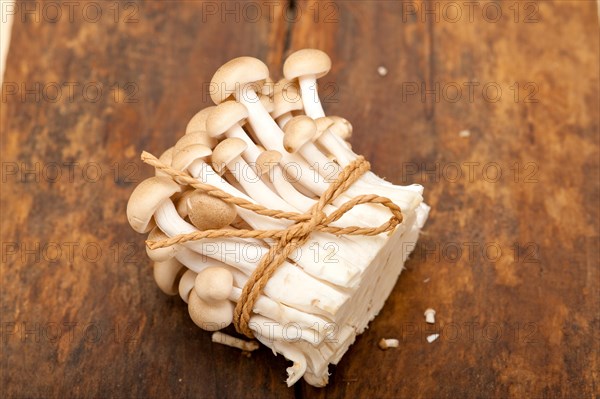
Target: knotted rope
x: 289, y: 238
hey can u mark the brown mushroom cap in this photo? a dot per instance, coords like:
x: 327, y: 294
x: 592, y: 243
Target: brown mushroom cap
x: 214, y: 284
x: 323, y: 124
x: 224, y: 116
x: 186, y: 156
x: 282, y: 84
x: 166, y: 158
x: 235, y: 74
x: 268, y: 88
x: 145, y: 200
x: 287, y: 99
x: 298, y: 131
x: 266, y: 160
x: 341, y: 126
x: 202, y: 138
x: 182, y: 204
x: 207, y: 212
x: 226, y: 151
x: 186, y: 284
x: 198, y: 121
x: 210, y: 316
x: 167, y: 275
x: 306, y: 62
x: 159, y: 254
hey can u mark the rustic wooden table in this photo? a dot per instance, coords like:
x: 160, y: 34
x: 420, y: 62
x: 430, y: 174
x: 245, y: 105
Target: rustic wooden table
x: 492, y: 106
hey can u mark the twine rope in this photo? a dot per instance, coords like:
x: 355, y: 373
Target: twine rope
x: 287, y: 239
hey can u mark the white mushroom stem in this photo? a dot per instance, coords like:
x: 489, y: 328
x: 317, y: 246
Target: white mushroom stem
x: 310, y: 96
x: 288, y: 191
x: 260, y: 324
x: 236, y: 131
x: 336, y: 268
x: 265, y: 306
x: 270, y: 135
x: 297, y: 370
x: 334, y: 144
x: 255, y: 187
x: 205, y: 173
x: 300, y: 201
x: 317, y: 160
x: 289, y: 285
x: 227, y: 340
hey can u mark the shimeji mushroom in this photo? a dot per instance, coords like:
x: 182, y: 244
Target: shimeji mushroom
x: 265, y: 306
x: 227, y: 154
x: 227, y: 119
x: 167, y: 275
x: 288, y: 285
x: 336, y: 125
x: 210, y: 316
x: 241, y: 78
x: 146, y: 199
x: 343, y: 273
x: 302, y: 295
x: 307, y: 66
x: 287, y: 100
x: 198, y: 121
x: 268, y: 88
x: 268, y: 165
x: 166, y: 158
x: 405, y: 196
x: 205, y: 211
x: 160, y: 254
x: 300, y: 131
x: 209, y: 305
x: 214, y: 284
x: 193, y: 159
x: 202, y: 138
x: 254, y: 186
x: 186, y: 284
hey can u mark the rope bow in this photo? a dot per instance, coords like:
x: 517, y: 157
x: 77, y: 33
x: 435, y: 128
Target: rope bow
x: 289, y: 238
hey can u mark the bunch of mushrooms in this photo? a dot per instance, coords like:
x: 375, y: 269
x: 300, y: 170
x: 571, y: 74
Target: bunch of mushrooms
x: 270, y: 143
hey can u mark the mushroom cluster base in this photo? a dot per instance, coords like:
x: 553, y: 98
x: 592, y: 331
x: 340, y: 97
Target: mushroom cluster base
x: 262, y: 216
x: 366, y: 302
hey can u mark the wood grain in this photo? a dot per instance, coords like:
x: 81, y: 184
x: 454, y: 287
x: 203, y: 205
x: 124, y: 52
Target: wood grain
x: 81, y: 315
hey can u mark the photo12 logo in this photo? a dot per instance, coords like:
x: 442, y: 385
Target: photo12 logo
x: 69, y: 92
x: 526, y: 12
x: 71, y: 11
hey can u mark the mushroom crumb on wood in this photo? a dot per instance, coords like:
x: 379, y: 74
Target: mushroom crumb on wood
x: 382, y: 71
x: 385, y: 343
x: 432, y: 337
x: 429, y: 316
